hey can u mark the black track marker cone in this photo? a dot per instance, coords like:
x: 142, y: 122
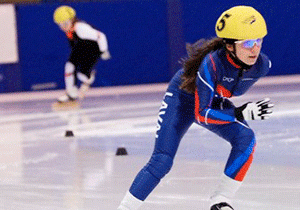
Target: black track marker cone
x: 69, y: 133
x: 121, y: 151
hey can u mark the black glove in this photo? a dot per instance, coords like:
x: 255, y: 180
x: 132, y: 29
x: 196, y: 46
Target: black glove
x: 260, y: 110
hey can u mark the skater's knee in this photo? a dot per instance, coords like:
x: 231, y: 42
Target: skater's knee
x: 160, y: 164
x: 250, y: 140
x: 69, y: 68
x: 246, y: 141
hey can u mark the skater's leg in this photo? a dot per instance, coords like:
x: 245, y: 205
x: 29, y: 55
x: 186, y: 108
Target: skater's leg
x: 86, y: 75
x: 242, y: 140
x: 70, y: 83
x: 172, y: 124
x: 86, y: 81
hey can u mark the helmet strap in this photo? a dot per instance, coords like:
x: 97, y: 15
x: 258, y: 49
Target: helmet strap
x: 236, y: 60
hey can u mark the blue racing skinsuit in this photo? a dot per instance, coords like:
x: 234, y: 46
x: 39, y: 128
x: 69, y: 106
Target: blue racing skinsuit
x: 218, y: 78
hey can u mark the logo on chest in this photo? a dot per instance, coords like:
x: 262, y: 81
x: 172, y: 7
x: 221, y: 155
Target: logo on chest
x: 227, y: 79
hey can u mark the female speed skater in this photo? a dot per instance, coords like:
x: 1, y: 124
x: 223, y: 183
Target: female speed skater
x: 214, y: 70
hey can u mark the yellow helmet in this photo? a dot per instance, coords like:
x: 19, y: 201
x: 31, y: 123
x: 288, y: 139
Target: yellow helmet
x: 63, y: 13
x: 241, y: 22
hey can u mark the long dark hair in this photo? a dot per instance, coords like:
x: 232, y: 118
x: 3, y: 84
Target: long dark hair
x: 196, y: 53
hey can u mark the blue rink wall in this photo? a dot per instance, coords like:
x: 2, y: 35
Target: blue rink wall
x: 137, y: 37
x: 146, y: 40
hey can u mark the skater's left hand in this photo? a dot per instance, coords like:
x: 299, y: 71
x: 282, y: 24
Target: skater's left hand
x: 260, y: 110
x: 105, y: 55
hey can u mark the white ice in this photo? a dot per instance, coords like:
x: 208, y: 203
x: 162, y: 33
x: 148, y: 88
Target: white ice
x: 42, y: 169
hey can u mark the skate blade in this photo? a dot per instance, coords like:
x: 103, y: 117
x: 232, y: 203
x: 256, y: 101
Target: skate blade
x: 65, y: 106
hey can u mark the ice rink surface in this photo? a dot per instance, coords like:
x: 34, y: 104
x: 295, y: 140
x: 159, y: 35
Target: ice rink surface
x: 41, y: 169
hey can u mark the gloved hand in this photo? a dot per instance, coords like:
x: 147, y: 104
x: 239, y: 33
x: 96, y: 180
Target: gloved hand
x: 105, y: 55
x: 260, y: 110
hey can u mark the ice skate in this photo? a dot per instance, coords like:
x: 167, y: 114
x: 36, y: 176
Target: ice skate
x: 67, y: 101
x: 66, y: 98
x: 221, y: 206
